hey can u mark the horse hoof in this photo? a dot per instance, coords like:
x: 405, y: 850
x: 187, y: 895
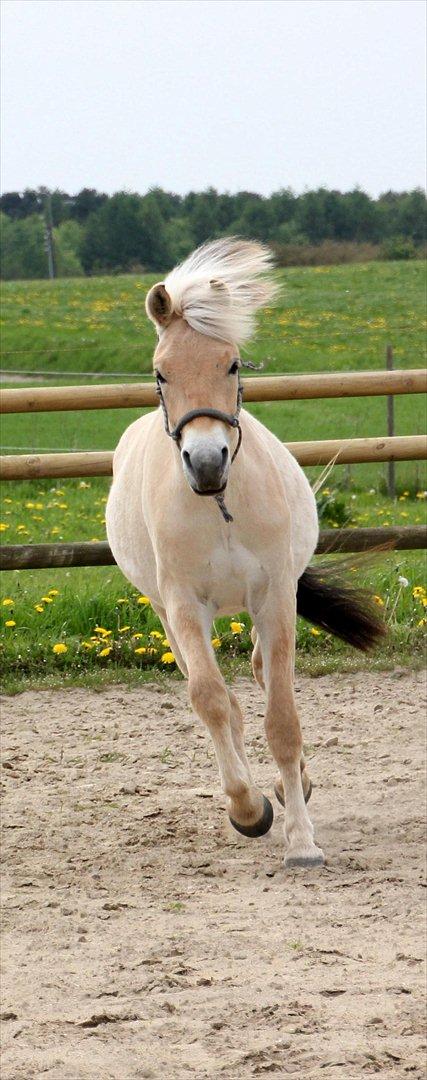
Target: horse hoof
x: 281, y: 800
x: 316, y: 859
x: 261, y: 827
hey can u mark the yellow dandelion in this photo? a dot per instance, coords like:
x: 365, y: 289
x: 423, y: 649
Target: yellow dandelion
x: 122, y: 600
x: 105, y: 652
x: 216, y: 642
x: 140, y: 650
x: 38, y: 607
x: 422, y: 622
x: 47, y: 599
x: 166, y: 643
x: 4, y: 526
x: 417, y: 591
x: 103, y: 631
x: 237, y: 627
x: 59, y: 648
x: 421, y: 494
x: 123, y: 629
x: 8, y: 602
x: 168, y: 658
x: 378, y: 600
x: 144, y: 600
x: 136, y: 637
x: 53, y: 592
x: 315, y: 631
x: 10, y: 622
x: 87, y: 644
x: 156, y: 634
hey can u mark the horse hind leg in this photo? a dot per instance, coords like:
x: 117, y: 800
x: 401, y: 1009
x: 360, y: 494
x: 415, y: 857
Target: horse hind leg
x: 258, y: 673
x: 256, y: 660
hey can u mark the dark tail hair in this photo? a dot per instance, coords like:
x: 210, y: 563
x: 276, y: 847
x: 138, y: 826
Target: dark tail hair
x: 325, y: 598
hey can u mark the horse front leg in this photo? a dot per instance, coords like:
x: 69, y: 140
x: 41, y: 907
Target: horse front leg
x: 275, y: 625
x: 249, y: 810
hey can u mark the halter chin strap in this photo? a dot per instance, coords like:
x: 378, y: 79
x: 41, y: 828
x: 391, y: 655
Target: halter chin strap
x: 215, y: 414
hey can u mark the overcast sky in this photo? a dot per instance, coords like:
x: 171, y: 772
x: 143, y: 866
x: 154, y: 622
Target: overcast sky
x: 238, y: 94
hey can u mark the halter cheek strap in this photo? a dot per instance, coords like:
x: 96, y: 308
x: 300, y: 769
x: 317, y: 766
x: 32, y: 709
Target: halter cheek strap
x: 214, y: 414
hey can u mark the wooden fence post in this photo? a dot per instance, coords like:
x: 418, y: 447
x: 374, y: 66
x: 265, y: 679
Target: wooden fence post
x: 391, y: 471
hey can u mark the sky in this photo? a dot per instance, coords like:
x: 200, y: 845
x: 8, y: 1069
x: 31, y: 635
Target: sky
x: 236, y: 94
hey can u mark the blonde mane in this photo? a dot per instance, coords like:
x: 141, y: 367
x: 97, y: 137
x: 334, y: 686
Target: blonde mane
x: 220, y: 286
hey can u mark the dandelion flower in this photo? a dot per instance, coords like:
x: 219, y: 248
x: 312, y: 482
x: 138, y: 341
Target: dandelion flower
x: 403, y: 581
x: 8, y: 602
x: 140, y: 650
x: 122, y: 600
x: 136, y: 637
x: 4, y: 526
x: 10, y: 622
x: 144, y: 600
x: 216, y: 642
x: 103, y: 631
x: 237, y: 627
x: 87, y: 644
x: 38, y: 607
x: 417, y: 591
x: 156, y: 634
x: 315, y: 631
x: 105, y: 652
x: 59, y: 648
x: 47, y: 599
x: 378, y: 600
x: 422, y: 622
x: 53, y: 592
x: 168, y: 658
x: 123, y: 629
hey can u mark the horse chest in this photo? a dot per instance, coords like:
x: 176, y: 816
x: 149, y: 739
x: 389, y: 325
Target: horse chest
x: 234, y: 578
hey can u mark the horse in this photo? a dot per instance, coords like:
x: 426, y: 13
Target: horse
x: 209, y: 514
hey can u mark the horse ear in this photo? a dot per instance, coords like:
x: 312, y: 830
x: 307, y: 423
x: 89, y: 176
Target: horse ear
x: 158, y: 305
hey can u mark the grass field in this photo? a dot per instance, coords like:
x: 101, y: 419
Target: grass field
x: 330, y: 319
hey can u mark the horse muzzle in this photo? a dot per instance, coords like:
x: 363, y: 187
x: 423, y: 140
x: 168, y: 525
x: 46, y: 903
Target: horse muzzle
x: 206, y: 467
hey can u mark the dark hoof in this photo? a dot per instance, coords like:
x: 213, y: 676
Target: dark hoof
x: 261, y: 827
x: 307, y: 861
x: 281, y: 799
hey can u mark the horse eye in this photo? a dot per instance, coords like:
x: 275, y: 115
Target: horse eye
x: 234, y: 368
x: 160, y: 377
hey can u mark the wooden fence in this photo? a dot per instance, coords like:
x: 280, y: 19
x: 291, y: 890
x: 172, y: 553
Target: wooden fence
x: 268, y: 388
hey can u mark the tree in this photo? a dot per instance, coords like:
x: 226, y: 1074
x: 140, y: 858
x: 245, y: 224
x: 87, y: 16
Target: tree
x: 23, y: 248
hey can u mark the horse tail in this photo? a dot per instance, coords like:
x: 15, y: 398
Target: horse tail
x: 325, y: 598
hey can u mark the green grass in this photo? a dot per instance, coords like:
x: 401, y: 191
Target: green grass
x: 337, y: 318
x: 87, y: 602
x: 330, y: 319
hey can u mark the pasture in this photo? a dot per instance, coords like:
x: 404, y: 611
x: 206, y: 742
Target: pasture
x: 328, y: 319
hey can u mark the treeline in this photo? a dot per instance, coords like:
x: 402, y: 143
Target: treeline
x: 94, y: 233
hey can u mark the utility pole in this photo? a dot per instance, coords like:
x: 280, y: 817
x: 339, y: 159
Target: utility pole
x: 48, y: 237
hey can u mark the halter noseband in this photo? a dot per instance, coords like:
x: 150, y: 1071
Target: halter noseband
x: 215, y: 414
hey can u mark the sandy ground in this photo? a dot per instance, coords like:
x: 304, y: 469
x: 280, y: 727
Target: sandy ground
x: 142, y: 937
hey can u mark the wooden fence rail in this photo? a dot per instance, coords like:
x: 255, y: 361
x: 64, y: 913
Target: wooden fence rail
x: 42, y: 556
x: 263, y: 388
x: 99, y: 463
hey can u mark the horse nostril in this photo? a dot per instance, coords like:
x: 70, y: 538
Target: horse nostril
x: 224, y: 456
x: 186, y: 458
